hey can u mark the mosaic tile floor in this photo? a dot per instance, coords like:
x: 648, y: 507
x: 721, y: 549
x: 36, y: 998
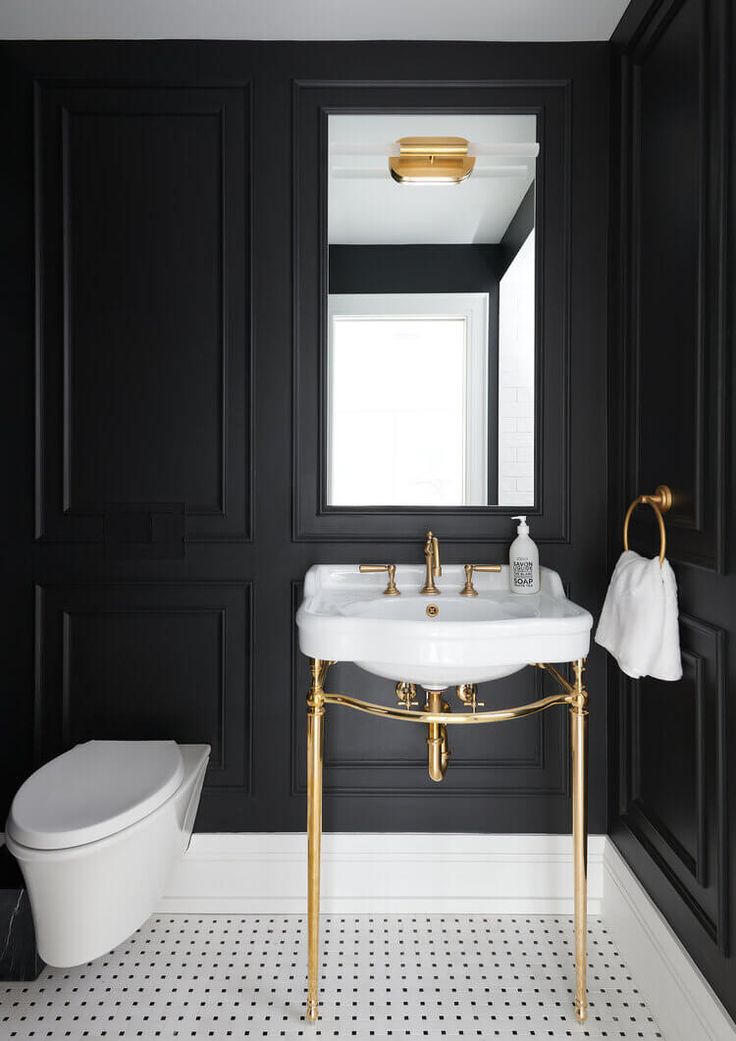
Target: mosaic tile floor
x: 384, y: 977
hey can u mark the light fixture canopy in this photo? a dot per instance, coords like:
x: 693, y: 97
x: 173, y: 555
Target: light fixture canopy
x: 431, y: 160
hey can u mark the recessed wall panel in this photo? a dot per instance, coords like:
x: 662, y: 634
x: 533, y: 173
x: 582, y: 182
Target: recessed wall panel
x: 675, y: 196
x: 148, y: 660
x: 142, y: 268
x: 143, y: 351
x: 674, y: 797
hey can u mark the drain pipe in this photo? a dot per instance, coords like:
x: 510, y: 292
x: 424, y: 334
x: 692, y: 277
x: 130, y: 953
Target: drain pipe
x: 437, y: 751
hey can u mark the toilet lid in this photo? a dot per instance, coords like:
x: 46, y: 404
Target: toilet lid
x: 94, y: 790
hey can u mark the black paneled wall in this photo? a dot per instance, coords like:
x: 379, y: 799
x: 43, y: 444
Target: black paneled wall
x: 162, y: 253
x: 672, y: 393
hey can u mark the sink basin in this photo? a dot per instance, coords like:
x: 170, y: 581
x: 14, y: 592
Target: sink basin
x: 344, y: 616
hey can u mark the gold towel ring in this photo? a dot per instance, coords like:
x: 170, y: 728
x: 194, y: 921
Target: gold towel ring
x: 660, y: 502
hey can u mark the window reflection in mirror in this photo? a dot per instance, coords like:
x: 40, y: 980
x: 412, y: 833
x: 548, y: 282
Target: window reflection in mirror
x: 431, y: 318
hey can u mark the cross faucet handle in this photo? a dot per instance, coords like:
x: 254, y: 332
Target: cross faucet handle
x: 391, y: 589
x: 405, y: 694
x: 468, y: 694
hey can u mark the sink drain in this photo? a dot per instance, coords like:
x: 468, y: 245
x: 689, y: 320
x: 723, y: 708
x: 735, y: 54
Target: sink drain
x: 432, y: 610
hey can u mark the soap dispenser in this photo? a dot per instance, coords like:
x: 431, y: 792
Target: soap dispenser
x: 523, y: 561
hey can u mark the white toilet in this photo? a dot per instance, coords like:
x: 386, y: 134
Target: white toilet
x: 97, y: 833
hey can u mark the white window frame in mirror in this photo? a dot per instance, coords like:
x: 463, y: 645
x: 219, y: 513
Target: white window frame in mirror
x: 473, y: 308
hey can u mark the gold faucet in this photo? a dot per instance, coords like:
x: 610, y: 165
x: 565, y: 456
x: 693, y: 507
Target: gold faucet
x: 432, y: 562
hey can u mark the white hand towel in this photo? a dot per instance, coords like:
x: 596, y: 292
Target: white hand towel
x: 638, y: 623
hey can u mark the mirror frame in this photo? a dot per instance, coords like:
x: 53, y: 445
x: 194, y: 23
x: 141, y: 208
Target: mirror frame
x: 314, y: 101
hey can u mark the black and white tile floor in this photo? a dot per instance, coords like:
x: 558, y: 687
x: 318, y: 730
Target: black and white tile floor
x: 384, y: 978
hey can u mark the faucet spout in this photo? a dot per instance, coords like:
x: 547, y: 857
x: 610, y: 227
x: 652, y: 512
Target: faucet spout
x: 432, y: 564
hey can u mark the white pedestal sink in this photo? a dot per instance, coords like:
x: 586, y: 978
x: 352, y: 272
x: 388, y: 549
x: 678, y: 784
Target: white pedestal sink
x: 345, y: 616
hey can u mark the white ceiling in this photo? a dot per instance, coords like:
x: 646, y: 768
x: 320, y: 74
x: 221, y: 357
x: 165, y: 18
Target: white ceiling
x: 366, y: 206
x: 530, y: 20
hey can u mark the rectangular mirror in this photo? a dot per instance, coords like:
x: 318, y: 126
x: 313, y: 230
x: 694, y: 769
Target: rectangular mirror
x: 430, y: 353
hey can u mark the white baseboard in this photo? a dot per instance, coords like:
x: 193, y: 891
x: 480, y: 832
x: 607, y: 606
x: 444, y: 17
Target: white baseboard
x: 383, y: 873
x: 681, y: 1001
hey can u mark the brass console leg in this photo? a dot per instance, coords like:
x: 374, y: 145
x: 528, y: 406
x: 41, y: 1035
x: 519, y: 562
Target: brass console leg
x: 315, y: 743
x: 579, y: 743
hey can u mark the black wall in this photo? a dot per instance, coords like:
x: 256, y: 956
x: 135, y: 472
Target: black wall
x: 519, y: 228
x: 416, y: 269
x: 161, y: 266
x: 672, y: 397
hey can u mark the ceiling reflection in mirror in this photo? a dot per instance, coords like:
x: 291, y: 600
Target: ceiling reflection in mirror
x: 431, y: 313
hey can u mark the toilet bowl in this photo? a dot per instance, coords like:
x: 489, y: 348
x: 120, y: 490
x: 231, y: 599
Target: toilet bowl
x: 97, y: 833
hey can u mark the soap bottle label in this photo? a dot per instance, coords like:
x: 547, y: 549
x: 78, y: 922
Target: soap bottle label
x: 522, y: 573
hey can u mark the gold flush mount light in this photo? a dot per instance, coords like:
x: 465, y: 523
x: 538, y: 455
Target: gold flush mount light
x: 431, y: 160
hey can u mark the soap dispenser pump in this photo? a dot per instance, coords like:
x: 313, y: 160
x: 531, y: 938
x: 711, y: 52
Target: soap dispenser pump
x: 523, y: 561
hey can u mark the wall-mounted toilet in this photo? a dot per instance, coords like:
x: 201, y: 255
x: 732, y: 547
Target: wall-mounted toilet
x: 97, y: 833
